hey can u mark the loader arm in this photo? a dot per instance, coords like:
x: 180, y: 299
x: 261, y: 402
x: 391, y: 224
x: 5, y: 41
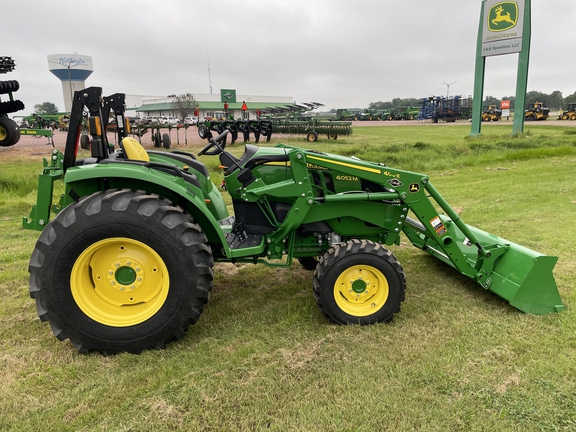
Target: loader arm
x: 520, y: 275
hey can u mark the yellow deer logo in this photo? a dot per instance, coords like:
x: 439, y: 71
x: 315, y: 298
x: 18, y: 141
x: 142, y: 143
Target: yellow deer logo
x: 500, y: 17
x: 503, y: 16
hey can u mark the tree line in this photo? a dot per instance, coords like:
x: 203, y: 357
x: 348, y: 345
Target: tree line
x: 554, y: 101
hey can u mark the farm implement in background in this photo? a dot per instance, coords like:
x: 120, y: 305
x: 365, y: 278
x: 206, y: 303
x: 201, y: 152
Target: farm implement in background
x: 450, y: 109
x: 258, y: 127
x: 294, y: 119
x: 9, y: 130
x: 298, y: 120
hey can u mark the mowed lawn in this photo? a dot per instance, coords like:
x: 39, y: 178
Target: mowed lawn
x: 263, y: 357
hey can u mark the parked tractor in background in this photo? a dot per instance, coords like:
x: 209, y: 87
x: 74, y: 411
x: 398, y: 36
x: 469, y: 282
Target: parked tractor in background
x: 536, y: 111
x: 9, y: 130
x: 127, y: 263
x: 569, y: 113
x: 491, y: 113
x: 343, y: 114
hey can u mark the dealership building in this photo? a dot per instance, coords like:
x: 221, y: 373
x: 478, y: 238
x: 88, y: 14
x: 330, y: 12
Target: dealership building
x: 207, y: 105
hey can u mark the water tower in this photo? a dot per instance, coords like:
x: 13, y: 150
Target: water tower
x: 72, y: 70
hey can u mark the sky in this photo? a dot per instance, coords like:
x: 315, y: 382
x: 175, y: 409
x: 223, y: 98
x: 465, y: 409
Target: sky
x: 342, y: 53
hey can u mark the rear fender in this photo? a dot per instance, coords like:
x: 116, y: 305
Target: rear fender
x: 206, y: 206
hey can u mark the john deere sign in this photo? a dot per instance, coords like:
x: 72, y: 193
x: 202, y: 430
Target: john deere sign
x: 503, y: 27
x: 228, y: 95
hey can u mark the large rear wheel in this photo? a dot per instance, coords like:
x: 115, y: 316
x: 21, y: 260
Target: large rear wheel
x: 9, y: 132
x: 121, y: 271
x: 359, y: 282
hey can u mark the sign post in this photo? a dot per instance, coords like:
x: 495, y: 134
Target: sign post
x: 504, y: 29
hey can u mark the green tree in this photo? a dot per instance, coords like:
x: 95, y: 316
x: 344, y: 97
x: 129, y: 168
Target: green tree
x: 184, y: 105
x: 45, y: 108
x: 569, y: 99
x: 379, y: 105
x: 491, y: 100
x: 536, y: 96
x: 555, y: 101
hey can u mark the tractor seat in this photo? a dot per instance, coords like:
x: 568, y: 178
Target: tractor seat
x: 134, y: 150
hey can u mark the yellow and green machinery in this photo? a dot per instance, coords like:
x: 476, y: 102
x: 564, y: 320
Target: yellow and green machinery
x: 569, y: 113
x: 125, y: 259
x: 536, y: 111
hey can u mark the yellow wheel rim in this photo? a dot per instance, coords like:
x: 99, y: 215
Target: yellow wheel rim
x: 119, y: 282
x: 361, y: 290
x: 3, y: 133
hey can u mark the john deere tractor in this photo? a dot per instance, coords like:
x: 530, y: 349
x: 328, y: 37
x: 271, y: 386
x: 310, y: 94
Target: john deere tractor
x: 125, y: 259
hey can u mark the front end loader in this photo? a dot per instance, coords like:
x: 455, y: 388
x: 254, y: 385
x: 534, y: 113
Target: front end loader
x: 125, y: 259
x: 569, y: 113
x: 491, y: 113
x: 536, y: 111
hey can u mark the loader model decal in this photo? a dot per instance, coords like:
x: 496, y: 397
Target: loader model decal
x: 503, y: 16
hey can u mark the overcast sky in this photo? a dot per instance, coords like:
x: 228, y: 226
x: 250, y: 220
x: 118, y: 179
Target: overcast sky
x: 342, y: 53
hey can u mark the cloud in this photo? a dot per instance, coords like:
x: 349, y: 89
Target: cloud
x: 331, y: 51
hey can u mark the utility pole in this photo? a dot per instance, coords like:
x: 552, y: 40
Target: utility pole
x: 209, y: 78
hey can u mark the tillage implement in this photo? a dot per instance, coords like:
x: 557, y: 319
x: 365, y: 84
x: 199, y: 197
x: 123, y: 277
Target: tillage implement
x: 125, y: 259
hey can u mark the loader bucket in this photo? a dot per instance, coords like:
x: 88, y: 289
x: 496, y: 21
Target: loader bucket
x: 522, y: 276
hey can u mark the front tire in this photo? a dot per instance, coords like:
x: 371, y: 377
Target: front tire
x: 121, y: 271
x: 359, y: 282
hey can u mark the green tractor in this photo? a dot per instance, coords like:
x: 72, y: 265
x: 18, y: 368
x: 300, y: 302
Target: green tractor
x: 126, y: 264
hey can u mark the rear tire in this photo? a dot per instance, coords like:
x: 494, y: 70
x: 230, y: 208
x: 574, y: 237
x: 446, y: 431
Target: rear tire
x: 166, y: 141
x: 9, y: 132
x: 359, y: 282
x: 156, y: 140
x: 203, y: 131
x: 85, y: 142
x: 121, y: 271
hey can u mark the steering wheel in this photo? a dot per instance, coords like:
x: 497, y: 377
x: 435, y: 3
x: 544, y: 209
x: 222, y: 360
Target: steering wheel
x: 215, y: 142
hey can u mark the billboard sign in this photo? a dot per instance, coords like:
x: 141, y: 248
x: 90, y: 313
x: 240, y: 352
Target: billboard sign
x: 502, y: 27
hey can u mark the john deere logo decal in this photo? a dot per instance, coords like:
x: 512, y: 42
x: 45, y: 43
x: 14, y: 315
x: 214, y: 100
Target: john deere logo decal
x: 502, y: 16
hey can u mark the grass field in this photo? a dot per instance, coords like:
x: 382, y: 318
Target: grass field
x: 263, y: 357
